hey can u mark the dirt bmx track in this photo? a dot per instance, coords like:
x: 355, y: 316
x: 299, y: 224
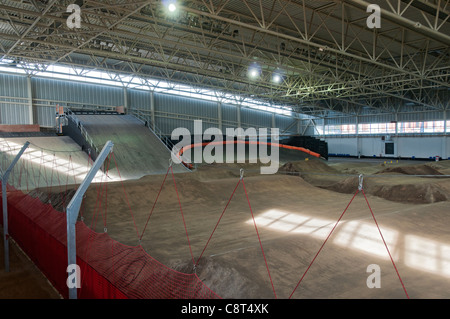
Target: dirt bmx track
x: 294, y: 215
x: 294, y: 210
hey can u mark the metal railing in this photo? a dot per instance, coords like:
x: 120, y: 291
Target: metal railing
x: 70, y: 115
x: 146, y: 118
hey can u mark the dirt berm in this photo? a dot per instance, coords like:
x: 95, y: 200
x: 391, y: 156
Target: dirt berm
x: 418, y: 184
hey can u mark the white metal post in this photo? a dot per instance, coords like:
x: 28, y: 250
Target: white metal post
x: 5, y: 178
x: 73, y: 210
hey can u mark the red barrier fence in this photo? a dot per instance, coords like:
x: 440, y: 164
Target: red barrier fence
x: 109, y: 269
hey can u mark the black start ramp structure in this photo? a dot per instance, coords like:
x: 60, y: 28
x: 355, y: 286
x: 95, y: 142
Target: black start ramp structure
x: 137, y: 150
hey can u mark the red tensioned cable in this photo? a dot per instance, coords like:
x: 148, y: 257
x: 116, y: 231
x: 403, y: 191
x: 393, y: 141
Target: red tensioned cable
x: 40, y: 169
x: 223, y: 212
x: 154, y: 204
x: 57, y: 171
x: 98, y: 200
x: 257, y: 233
x: 67, y: 180
x: 182, y: 215
x: 103, y: 185
x: 27, y: 172
x: 382, y: 237
x: 323, y: 244
x: 32, y: 169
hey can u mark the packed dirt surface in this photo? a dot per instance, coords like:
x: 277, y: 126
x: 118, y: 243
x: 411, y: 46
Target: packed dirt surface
x: 260, y: 246
x: 416, y: 183
x: 301, y: 233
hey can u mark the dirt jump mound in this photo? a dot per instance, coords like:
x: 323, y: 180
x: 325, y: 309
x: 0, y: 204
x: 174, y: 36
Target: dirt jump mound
x: 411, y: 170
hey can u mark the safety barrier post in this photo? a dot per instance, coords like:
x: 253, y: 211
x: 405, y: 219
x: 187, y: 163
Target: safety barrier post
x: 73, y: 210
x: 5, y: 177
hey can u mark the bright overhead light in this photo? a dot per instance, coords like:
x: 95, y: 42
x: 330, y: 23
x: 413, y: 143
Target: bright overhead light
x: 172, y: 7
x: 276, y: 78
x: 254, y: 71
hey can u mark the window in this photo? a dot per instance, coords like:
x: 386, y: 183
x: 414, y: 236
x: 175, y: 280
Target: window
x: 376, y: 128
x: 384, y: 128
x: 433, y: 127
x: 421, y: 127
x: 339, y: 129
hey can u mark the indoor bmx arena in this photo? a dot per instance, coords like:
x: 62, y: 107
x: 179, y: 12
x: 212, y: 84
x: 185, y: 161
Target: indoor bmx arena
x: 225, y: 150
x: 314, y: 229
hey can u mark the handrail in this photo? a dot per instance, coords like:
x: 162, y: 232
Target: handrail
x: 83, y: 131
x: 157, y: 131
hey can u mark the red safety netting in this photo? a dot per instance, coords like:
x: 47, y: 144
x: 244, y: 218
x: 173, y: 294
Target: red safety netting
x: 109, y: 269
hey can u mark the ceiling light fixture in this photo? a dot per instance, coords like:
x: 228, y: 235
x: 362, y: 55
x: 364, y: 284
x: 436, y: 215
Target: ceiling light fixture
x: 254, y: 71
x: 172, y: 7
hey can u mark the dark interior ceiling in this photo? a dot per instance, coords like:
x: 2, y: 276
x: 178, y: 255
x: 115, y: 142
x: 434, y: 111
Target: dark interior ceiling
x: 329, y: 59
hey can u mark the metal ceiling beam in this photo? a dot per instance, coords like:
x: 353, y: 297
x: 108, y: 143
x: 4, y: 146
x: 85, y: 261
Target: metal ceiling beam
x: 404, y: 22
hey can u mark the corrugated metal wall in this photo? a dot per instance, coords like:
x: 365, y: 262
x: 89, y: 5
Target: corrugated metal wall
x: 171, y: 111
x: 14, y: 107
x: 255, y: 118
x: 62, y: 92
x: 229, y: 116
x: 287, y: 125
x: 138, y: 99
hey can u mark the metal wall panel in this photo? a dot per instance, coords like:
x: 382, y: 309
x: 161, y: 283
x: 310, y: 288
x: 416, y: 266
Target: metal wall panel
x: 287, y: 124
x: 229, y: 116
x: 139, y: 99
x: 378, y: 118
x: 171, y: 111
x: 13, y: 100
x: 13, y: 86
x: 14, y: 113
x: 185, y: 105
x: 167, y: 125
x: 421, y: 116
x: 60, y: 91
x: 255, y: 118
x: 44, y: 116
x: 174, y: 111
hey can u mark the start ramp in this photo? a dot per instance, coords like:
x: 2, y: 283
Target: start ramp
x: 137, y: 150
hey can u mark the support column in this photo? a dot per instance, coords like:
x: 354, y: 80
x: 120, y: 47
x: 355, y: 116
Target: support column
x: 30, y: 102
x: 239, y: 116
x: 73, y: 210
x: 219, y: 115
x: 397, y: 142
x: 125, y: 100
x: 152, y: 110
x: 444, y: 139
x: 5, y: 177
x: 358, y: 140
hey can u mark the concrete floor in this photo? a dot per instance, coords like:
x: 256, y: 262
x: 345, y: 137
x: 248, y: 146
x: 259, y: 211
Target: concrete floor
x: 24, y: 280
